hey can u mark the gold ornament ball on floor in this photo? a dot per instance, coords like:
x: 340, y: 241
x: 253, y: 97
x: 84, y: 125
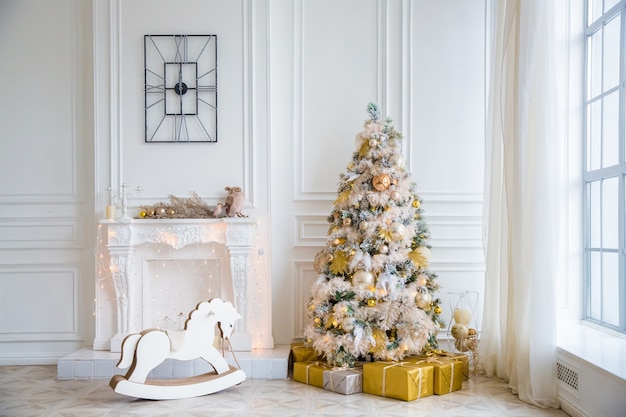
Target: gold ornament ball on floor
x: 362, y: 278
x: 471, y: 332
x: 462, y: 315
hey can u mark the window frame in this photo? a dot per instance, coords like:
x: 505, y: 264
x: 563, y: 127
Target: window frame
x: 599, y: 175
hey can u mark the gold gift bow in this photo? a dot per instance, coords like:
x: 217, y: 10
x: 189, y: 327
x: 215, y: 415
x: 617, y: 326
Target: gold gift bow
x: 418, y: 383
x: 318, y: 363
x: 340, y: 368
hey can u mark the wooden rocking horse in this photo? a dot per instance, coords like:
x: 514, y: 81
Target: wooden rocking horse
x: 142, y: 352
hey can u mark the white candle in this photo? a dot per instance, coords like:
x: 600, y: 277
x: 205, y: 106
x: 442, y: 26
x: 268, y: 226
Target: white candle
x: 110, y: 212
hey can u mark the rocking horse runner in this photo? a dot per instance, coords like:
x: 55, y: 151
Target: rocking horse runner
x: 142, y: 352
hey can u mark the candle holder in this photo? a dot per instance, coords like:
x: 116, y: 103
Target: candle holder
x: 124, y: 198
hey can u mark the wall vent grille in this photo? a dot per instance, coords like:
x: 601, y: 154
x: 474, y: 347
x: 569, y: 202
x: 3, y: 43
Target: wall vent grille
x: 567, y: 375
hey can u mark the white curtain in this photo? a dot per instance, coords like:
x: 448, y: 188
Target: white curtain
x: 518, y: 340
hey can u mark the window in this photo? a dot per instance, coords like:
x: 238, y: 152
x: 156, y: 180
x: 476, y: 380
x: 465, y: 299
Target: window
x: 604, y: 167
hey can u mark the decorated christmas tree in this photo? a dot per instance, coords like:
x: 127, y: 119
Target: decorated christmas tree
x: 374, y: 297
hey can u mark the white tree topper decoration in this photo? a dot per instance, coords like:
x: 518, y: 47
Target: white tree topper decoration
x: 142, y: 352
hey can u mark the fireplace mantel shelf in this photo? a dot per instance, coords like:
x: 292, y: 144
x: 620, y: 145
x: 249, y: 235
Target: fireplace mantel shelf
x: 124, y: 236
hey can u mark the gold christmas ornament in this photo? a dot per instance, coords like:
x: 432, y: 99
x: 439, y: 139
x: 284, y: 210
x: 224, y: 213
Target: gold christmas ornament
x: 381, y: 182
x: 160, y: 211
x: 471, y: 332
x: 371, y: 302
x: 397, y: 160
x: 396, y: 195
x: 348, y: 325
x: 373, y: 143
x: 347, y: 221
x: 423, y: 299
x: 362, y: 278
x: 459, y: 330
x: 437, y: 310
x: 363, y: 225
x: 420, y: 256
x: 142, y: 214
x: 416, y: 204
x: 397, y: 231
x: 170, y: 212
x: 383, y: 249
x: 336, y: 241
x: 462, y: 315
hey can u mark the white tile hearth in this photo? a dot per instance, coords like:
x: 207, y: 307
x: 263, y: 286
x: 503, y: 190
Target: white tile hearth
x: 33, y: 391
x: 258, y: 364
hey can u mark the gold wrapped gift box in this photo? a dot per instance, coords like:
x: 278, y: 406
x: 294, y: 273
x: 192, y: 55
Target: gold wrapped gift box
x: 310, y: 372
x: 401, y: 380
x: 344, y: 380
x: 448, y: 372
x: 302, y: 353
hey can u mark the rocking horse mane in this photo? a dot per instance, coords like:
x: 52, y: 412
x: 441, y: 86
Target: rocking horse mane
x: 204, y: 308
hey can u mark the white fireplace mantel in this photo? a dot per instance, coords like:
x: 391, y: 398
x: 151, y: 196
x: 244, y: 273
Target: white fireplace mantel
x: 124, y: 237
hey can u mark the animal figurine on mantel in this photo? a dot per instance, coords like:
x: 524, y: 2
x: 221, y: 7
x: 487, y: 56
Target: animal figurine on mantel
x: 142, y: 352
x: 234, y: 202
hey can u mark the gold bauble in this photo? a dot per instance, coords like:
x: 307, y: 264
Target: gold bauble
x: 363, y: 225
x: 318, y: 321
x: 398, y: 160
x: 381, y: 182
x: 348, y: 325
x: 397, y: 231
x: 160, y: 211
x: 437, y: 310
x: 396, y: 195
x: 423, y: 299
x: 383, y: 249
x: 142, y: 214
x: 171, y: 212
x: 347, y: 221
x: 373, y: 143
x: 459, y: 330
x: 416, y: 204
x: 336, y: 241
x: 471, y: 331
x: 371, y: 302
x: 362, y: 278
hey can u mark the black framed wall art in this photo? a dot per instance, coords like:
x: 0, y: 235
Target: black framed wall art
x: 180, y: 73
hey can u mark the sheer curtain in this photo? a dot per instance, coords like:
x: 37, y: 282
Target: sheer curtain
x: 518, y: 341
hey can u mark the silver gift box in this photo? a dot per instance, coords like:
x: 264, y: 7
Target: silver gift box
x: 344, y: 381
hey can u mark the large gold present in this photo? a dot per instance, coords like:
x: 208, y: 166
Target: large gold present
x: 302, y: 353
x: 401, y: 380
x: 448, y: 372
x: 310, y: 373
x: 459, y: 357
x: 344, y: 380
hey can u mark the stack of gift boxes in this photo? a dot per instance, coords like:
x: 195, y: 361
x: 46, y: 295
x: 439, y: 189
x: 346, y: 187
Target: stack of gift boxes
x: 437, y: 372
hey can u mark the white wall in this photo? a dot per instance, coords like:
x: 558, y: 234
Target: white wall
x: 295, y: 78
x: 46, y: 171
